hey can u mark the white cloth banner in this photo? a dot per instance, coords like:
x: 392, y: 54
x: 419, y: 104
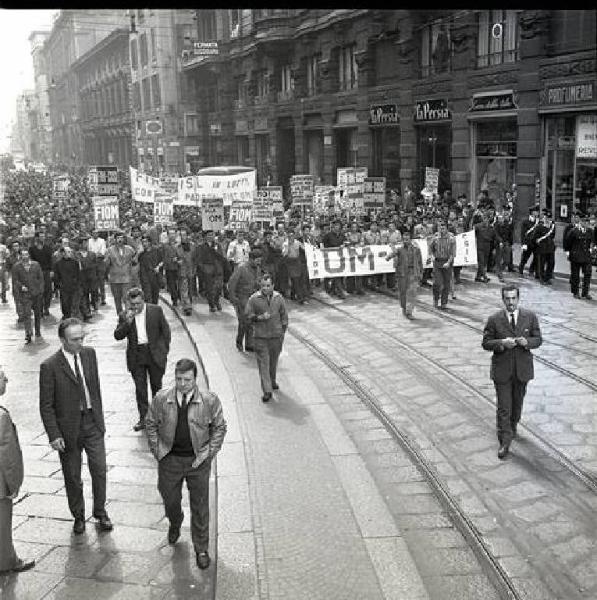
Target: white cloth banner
x: 143, y: 187
x: 349, y: 261
x: 241, y: 187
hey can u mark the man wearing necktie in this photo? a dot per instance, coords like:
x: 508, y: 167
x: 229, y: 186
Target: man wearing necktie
x: 148, y: 334
x: 70, y: 403
x: 185, y: 429
x: 510, y: 334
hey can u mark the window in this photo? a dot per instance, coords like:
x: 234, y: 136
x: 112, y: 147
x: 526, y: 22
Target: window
x: 498, y: 37
x: 192, y: 125
x: 241, y: 93
x: 287, y: 81
x: 212, y: 97
x: 134, y: 59
x: 313, y: 74
x: 348, y: 71
x: 143, y: 49
x: 262, y: 83
x: 154, y: 53
x: 136, y: 96
x: 146, y: 95
x: 155, y: 90
x: 234, y: 23
x: 242, y: 149
x: 207, y: 26
x: 140, y: 15
x: 436, y: 48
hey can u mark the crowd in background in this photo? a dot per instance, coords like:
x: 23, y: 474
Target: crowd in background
x: 77, y: 261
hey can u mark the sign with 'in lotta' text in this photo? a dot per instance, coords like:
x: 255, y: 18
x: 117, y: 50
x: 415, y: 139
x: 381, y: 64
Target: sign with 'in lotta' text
x: 105, y: 212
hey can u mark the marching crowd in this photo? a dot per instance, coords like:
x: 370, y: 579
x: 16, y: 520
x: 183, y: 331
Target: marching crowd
x: 50, y: 247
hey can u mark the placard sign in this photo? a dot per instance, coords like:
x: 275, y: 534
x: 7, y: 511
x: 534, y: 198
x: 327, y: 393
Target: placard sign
x: 586, y: 136
x: 240, y: 215
x: 103, y: 181
x: 143, y: 187
x: 60, y: 187
x: 163, y: 209
x: 212, y: 214
x: 105, y: 212
x: 274, y: 195
x: 431, y: 179
x: 263, y: 210
x: 374, y: 192
x: 301, y: 190
x: 323, y: 198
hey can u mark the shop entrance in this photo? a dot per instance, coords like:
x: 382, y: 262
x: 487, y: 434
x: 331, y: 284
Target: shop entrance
x: 345, y: 141
x: 285, y: 153
x: 495, y: 158
x: 434, y: 150
x: 314, y: 154
x: 385, y: 162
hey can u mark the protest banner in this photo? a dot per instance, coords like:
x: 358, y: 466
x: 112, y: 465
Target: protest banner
x: 323, y: 199
x: 163, y: 209
x: 212, y: 214
x: 466, y: 249
x: 60, y: 187
x: 143, y: 187
x: 105, y: 212
x: 360, y: 174
x: 347, y: 261
x: 274, y: 195
x: 301, y: 190
x: 431, y: 180
x: 240, y: 215
x: 103, y: 181
x: 235, y: 187
x: 354, y: 199
x: 374, y: 192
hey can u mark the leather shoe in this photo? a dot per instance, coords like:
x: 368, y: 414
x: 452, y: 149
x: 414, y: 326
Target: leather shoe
x: 79, y: 526
x: 239, y: 346
x: 21, y: 565
x: 275, y: 386
x: 587, y: 296
x: 513, y: 431
x: 173, y: 533
x: 249, y: 349
x: 139, y: 425
x: 203, y: 560
x: 266, y: 397
x: 104, y: 523
x: 503, y: 451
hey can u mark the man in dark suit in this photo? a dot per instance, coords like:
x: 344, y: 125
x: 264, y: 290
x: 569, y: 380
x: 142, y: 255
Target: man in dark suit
x: 510, y: 334
x: 148, y: 334
x: 28, y: 281
x: 70, y: 403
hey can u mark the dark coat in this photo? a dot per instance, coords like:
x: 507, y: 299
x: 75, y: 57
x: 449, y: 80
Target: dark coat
x: 67, y: 274
x: 32, y: 280
x: 517, y: 362
x: 578, y: 243
x: 158, y: 336
x: 59, y: 396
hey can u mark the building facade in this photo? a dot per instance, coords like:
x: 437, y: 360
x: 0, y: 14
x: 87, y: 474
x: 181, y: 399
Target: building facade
x: 103, y: 101
x: 74, y: 32
x: 477, y: 94
x: 156, y: 42
x: 25, y: 133
x: 37, y: 40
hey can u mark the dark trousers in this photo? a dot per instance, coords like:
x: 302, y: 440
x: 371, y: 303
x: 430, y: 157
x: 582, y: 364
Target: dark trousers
x: 172, y: 285
x: 524, y: 257
x: 91, y: 439
x: 213, y: 288
x: 172, y: 471
x: 69, y: 302
x: 101, y: 280
x: 244, y: 332
x: 47, y: 295
x: 482, y: 260
x: 87, y: 299
x: 28, y: 305
x: 144, y: 365
x: 502, y: 257
x: 150, y: 284
x: 281, y: 283
x: 354, y: 285
x: 457, y: 271
x: 267, y: 352
x: 545, y: 265
x: 119, y: 291
x: 442, y: 278
x: 510, y: 396
x: 575, y: 269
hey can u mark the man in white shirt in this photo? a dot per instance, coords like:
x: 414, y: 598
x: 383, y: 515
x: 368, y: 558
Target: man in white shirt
x: 97, y: 245
x: 238, y: 249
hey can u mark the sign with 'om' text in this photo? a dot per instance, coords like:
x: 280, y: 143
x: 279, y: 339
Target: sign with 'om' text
x: 212, y: 214
x: 105, y: 212
x: 163, y: 209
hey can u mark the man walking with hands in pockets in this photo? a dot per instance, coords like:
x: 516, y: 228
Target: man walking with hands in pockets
x: 267, y: 311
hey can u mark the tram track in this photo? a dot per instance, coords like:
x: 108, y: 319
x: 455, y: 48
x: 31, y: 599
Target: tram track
x: 588, y: 479
x: 503, y: 582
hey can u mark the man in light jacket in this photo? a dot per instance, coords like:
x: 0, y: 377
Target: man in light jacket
x: 185, y: 429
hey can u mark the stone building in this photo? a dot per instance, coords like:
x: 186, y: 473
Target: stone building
x: 488, y: 97
x: 156, y: 42
x: 25, y: 135
x: 103, y: 101
x: 40, y: 75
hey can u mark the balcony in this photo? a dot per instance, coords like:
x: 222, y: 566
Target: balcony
x: 286, y: 95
